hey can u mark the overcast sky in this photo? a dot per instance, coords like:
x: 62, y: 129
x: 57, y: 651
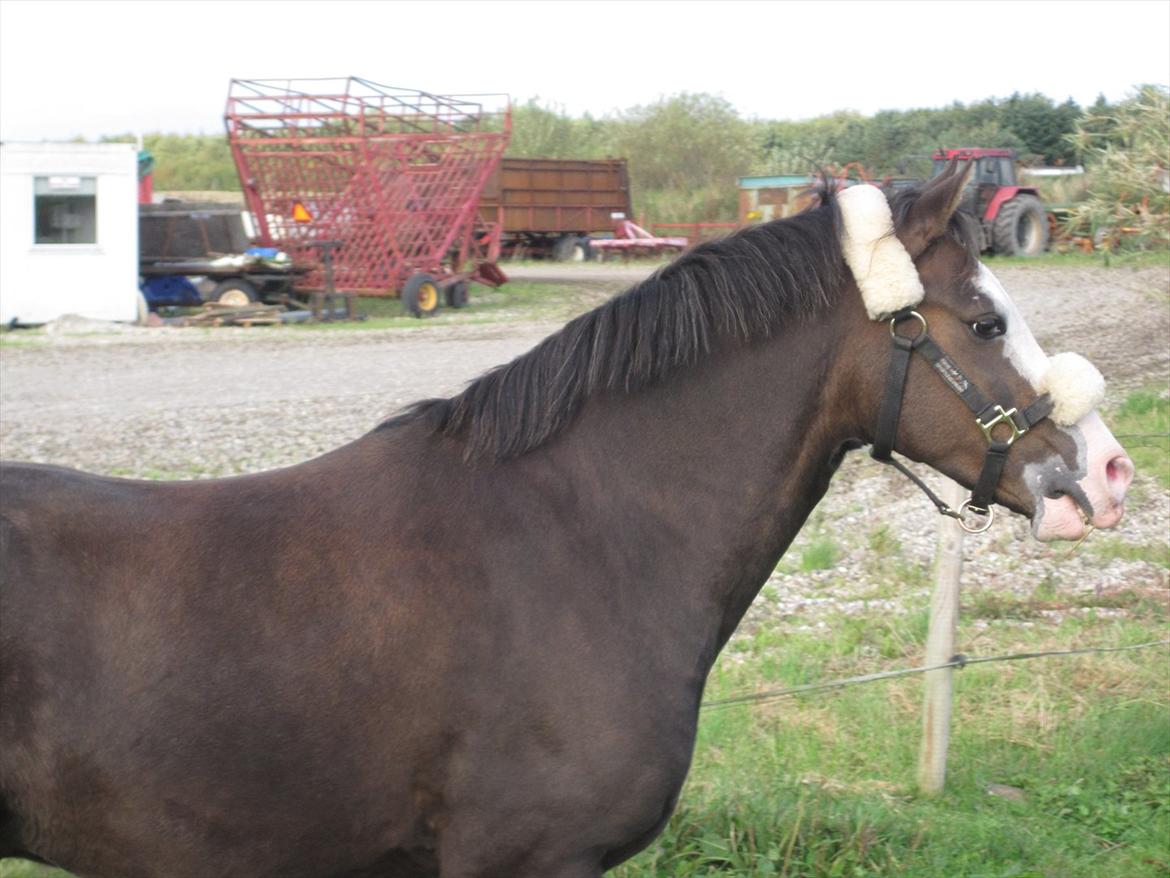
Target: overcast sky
x: 94, y: 67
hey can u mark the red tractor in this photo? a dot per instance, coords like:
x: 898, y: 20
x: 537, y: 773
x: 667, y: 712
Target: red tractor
x: 1012, y: 217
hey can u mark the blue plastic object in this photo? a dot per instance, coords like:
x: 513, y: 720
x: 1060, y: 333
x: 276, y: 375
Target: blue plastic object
x: 169, y: 290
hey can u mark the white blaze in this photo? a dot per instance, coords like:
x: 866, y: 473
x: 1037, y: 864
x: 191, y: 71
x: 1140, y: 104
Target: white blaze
x: 1021, y: 347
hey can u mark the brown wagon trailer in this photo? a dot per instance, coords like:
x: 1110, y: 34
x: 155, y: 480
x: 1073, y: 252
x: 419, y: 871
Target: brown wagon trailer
x: 550, y: 207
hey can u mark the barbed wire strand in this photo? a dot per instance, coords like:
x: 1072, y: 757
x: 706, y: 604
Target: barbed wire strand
x: 959, y: 661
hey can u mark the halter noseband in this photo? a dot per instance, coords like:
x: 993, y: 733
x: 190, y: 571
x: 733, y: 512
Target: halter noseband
x: 988, y: 416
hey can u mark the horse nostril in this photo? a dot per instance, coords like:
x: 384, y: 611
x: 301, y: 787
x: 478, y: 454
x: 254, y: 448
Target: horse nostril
x: 1119, y: 472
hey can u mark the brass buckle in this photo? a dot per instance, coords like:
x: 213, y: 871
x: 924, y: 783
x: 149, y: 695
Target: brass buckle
x: 1001, y: 418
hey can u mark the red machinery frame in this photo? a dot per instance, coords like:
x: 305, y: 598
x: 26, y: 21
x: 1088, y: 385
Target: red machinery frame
x: 630, y: 239
x: 392, y: 175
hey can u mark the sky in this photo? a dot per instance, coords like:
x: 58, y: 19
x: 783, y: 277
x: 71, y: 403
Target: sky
x: 98, y: 67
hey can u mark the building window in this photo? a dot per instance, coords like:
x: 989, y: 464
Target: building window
x: 66, y: 210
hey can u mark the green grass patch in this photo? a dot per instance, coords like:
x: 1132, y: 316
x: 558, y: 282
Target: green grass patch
x: 1138, y: 602
x: 514, y: 302
x: 25, y: 869
x: 823, y: 785
x: 1113, y: 548
x: 22, y: 338
x: 820, y: 554
x: 1075, y: 259
x: 1142, y: 425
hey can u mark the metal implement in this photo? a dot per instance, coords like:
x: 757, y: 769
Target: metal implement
x: 191, y: 253
x: 630, y: 239
x: 394, y: 175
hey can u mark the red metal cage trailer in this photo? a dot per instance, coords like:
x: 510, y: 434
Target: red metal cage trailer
x: 387, y: 179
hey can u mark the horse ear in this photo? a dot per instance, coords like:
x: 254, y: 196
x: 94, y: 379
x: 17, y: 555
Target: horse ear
x: 931, y: 212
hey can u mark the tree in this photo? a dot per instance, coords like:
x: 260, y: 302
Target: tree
x: 685, y: 153
x: 1041, y: 125
x: 548, y: 132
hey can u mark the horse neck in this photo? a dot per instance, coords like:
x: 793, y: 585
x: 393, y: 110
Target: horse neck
x: 712, y: 472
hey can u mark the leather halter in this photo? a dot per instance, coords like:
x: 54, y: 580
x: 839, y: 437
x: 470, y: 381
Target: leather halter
x: 988, y: 415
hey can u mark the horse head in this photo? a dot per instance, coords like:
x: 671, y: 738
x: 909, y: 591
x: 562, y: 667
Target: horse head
x: 963, y: 384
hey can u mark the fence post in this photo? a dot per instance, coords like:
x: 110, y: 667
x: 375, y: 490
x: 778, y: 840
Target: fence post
x: 940, y: 647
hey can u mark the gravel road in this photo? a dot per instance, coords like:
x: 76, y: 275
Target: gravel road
x: 166, y: 402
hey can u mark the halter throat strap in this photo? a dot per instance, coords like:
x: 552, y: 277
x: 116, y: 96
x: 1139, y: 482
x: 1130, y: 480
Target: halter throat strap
x: 1001, y: 427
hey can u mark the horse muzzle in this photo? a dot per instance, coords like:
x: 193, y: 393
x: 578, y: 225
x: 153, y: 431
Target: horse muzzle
x: 1070, y: 507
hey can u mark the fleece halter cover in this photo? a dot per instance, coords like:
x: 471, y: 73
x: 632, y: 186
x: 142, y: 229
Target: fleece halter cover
x: 889, y: 283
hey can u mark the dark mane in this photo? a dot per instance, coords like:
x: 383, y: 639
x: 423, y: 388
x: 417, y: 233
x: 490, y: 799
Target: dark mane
x: 743, y: 286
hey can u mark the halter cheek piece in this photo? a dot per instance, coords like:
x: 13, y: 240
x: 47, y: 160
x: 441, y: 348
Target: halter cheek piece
x: 1001, y: 427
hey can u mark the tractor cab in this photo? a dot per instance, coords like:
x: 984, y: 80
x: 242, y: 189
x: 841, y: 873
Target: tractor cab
x: 1012, y: 217
x: 993, y: 170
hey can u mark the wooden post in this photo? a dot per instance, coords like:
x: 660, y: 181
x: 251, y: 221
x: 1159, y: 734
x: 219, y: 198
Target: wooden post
x: 940, y: 647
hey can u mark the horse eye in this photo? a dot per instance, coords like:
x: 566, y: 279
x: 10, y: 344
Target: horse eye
x: 989, y: 327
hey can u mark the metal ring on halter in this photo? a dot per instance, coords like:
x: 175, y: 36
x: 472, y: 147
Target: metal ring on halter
x: 921, y: 319
x: 967, y: 507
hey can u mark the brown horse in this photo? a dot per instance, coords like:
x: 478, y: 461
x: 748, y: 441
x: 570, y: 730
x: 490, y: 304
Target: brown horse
x: 476, y: 639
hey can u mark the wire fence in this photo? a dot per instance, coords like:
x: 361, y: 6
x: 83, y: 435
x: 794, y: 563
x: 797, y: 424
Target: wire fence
x: 959, y: 661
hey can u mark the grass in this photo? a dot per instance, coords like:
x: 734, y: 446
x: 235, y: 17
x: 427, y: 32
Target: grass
x: 516, y: 301
x: 1076, y: 259
x: 1142, y: 425
x: 824, y: 785
x: 1110, y: 548
x: 820, y: 554
x: 21, y: 338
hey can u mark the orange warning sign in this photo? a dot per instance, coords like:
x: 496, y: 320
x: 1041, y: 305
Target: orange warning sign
x: 300, y: 214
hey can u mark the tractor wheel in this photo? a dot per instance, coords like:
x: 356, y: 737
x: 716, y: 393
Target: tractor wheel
x: 571, y: 248
x: 457, y: 294
x: 1021, y: 228
x: 420, y: 295
x: 233, y: 291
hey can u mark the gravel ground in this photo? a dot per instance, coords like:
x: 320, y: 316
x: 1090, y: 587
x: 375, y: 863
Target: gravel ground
x: 165, y: 402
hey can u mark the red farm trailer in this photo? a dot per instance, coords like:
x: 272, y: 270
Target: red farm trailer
x: 384, y: 181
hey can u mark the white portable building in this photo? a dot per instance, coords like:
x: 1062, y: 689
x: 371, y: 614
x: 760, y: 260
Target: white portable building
x: 68, y: 231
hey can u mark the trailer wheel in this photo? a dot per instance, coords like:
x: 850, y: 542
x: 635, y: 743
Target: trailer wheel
x: 234, y: 291
x: 571, y: 248
x: 1021, y: 228
x: 420, y: 295
x: 457, y: 294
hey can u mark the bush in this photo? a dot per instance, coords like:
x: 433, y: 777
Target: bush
x: 1126, y: 149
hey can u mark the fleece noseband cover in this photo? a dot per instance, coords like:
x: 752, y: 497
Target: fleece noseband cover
x: 882, y: 267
